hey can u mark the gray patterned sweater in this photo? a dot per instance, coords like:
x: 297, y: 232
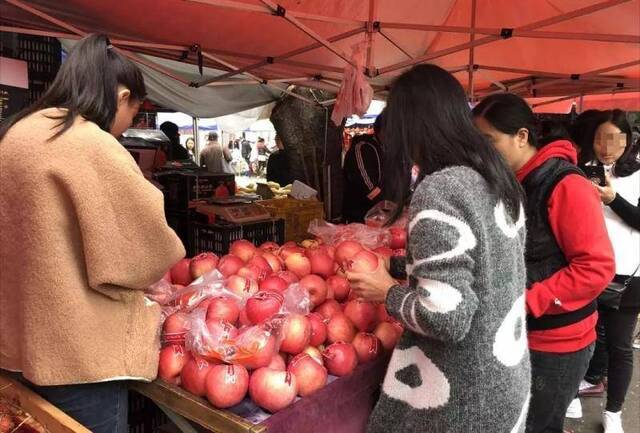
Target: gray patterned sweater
x: 462, y: 364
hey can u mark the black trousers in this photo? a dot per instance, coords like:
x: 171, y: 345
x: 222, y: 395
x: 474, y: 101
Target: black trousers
x: 613, y: 356
x: 555, y: 378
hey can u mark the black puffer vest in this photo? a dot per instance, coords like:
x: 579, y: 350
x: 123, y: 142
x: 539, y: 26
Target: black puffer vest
x: 543, y: 255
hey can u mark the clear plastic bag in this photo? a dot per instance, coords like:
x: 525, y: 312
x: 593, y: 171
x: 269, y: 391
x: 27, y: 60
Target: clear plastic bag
x: 379, y: 215
x: 332, y: 234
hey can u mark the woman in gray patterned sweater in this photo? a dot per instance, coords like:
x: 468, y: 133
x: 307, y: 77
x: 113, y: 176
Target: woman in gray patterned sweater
x: 462, y: 364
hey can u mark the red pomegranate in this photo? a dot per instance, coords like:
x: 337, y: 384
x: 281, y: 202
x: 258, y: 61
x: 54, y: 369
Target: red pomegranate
x: 299, y: 264
x: 340, y: 358
x: 172, y: 359
x: 243, y: 320
x: 225, y: 309
x: 346, y: 250
x: 273, y: 283
x: 322, y: 264
x: 362, y: 314
x: 253, y: 272
x: 270, y: 246
x: 230, y: 265
x: 289, y: 277
x: 260, y: 262
x: 340, y: 328
x: 180, y: 273
x: 258, y: 353
x: 315, y: 353
x: 272, y: 390
x: 221, y: 331
x: 243, y: 249
x: 388, y: 335
x: 296, y: 334
x: 288, y: 251
x: 383, y: 315
x: 274, y: 261
x: 367, y: 346
x: 318, y: 329
x: 310, y: 375
x: 194, y: 375
x: 316, y: 287
x: 202, y: 264
x: 167, y: 277
x: 385, y: 252
x: 278, y: 363
x: 328, y: 309
x: 175, y: 327
x: 398, y: 238
x: 241, y: 286
x: 340, y: 287
x: 263, y: 305
x: 227, y: 385
x: 364, y: 261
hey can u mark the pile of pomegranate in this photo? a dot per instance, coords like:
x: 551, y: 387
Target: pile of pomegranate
x: 272, y: 322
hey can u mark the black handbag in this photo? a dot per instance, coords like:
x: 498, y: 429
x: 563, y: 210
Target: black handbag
x: 612, y: 295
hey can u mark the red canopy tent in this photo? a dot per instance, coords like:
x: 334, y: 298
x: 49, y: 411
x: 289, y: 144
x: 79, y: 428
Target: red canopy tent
x: 537, y: 48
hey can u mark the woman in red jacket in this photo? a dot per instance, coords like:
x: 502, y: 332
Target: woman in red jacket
x: 569, y: 257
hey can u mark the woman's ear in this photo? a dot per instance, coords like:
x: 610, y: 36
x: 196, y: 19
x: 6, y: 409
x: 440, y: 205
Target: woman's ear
x: 522, y: 137
x: 124, y: 96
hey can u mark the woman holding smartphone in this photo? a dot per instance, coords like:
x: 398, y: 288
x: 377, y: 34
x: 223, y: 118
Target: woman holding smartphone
x: 462, y: 363
x: 606, y: 143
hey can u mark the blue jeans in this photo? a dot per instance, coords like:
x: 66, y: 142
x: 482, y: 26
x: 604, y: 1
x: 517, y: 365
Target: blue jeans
x: 555, y: 378
x: 100, y: 407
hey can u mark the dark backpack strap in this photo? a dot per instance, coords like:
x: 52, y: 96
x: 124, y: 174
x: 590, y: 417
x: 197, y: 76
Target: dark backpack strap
x: 554, y: 321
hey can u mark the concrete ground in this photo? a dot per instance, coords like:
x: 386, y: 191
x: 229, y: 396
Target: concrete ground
x: 592, y: 408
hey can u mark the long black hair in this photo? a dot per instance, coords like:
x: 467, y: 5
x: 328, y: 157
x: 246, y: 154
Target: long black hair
x: 552, y: 130
x: 428, y: 123
x: 87, y: 86
x: 508, y: 113
x: 585, y: 128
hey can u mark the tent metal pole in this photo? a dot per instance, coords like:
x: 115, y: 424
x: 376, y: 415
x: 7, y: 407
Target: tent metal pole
x: 602, y: 91
x: 588, y: 74
x: 196, y: 139
x: 280, y: 11
x: 230, y: 4
x: 580, y: 103
x: 395, y: 44
x: 370, y: 35
x: 488, y: 39
x: 472, y: 37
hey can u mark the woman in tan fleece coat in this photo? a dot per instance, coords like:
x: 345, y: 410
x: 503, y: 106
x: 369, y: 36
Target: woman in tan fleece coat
x: 82, y: 234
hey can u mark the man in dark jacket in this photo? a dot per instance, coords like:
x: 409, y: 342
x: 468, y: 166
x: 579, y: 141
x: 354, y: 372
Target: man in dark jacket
x: 362, y: 172
x: 278, y: 165
x: 176, y: 151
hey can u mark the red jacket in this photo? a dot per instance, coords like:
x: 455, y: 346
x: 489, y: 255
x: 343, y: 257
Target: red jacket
x: 577, y: 222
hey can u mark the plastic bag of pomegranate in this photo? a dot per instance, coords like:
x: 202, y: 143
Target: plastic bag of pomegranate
x: 380, y: 214
x: 161, y: 292
x: 296, y: 300
x: 190, y: 297
x: 332, y: 234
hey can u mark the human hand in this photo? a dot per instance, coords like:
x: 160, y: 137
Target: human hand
x: 607, y: 193
x: 372, y: 286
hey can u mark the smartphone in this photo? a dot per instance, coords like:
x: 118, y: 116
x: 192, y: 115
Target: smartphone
x: 595, y: 173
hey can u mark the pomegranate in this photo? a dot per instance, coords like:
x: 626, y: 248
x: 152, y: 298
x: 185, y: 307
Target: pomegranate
x: 227, y: 385
x: 262, y: 349
x: 346, y: 250
x: 263, y: 305
x: 289, y: 277
x: 167, y: 277
x: 321, y: 264
x: 340, y: 358
x: 290, y: 244
x: 221, y: 191
x: 286, y: 252
x: 230, y: 265
x: 180, y: 273
x: 253, y: 272
x: 318, y: 329
x: 272, y: 390
x: 297, y: 333
x: 221, y: 331
x: 261, y: 263
x: 310, y: 243
x: 340, y: 287
x: 310, y: 375
x: 362, y: 314
x: 194, y: 375
x: 278, y: 362
x: 316, y: 287
x: 340, y: 328
x: 385, y: 252
x: 315, y: 353
x: 241, y: 286
x: 328, y: 309
x: 364, y: 261
x: 175, y: 327
x: 243, y: 249
x: 298, y: 264
x: 367, y: 346
x: 270, y: 246
x: 243, y: 320
x: 398, y: 238
x: 388, y: 335
x: 383, y: 315
x: 202, y: 264
x: 172, y: 359
x: 273, y: 283
x: 274, y: 261
x: 225, y: 309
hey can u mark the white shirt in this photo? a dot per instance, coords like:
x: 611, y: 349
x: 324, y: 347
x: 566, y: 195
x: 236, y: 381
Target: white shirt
x: 625, y: 239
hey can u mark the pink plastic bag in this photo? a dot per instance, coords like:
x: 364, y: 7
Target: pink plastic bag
x: 356, y: 93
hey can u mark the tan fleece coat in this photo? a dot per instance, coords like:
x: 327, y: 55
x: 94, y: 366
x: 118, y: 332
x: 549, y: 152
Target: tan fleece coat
x: 82, y: 234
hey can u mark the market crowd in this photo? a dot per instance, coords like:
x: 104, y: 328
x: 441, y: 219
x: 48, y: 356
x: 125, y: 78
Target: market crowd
x: 522, y: 261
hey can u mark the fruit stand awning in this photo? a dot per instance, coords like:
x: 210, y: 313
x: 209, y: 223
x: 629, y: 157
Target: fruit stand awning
x: 539, y: 48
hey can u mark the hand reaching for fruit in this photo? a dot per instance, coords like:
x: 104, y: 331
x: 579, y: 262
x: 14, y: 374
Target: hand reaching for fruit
x: 372, y: 286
